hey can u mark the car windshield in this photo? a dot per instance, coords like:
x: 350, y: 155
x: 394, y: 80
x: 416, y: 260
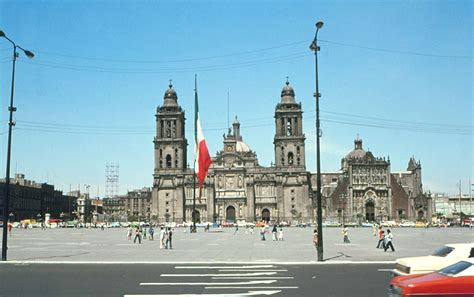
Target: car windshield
x: 455, y: 268
x: 443, y: 252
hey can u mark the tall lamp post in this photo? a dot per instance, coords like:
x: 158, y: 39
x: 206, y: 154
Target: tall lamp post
x: 314, y: 47
x: 11, y: 109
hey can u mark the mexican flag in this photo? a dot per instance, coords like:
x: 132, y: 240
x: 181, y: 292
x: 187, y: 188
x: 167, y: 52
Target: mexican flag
x: 202, y: 159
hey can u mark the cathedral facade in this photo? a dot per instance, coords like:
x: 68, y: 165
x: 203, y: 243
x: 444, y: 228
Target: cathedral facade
x: 237, y: 187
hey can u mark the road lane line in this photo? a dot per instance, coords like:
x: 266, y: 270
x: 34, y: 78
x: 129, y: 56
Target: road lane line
x: 385, y: 270
x: 211, y: 284
x: 221, y: 274
x: 244, y: 270
x: 208, y: 288
x: 249, y: 293
x: 252, y: 277
x: 224, y: 267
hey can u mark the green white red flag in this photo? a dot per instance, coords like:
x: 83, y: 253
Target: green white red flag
x: 203, y: 159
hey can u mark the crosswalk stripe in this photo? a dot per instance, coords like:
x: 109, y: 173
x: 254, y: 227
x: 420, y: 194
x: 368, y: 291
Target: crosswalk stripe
x: 249, y: 293
x: 210, y: 284
x: 220, y: 274
x: 224, y: 267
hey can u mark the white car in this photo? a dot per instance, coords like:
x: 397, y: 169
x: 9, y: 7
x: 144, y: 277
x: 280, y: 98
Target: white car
x: 445, y: 256
x: 407, y: 224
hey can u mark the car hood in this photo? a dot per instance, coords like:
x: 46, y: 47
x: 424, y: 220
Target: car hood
x: 413, y: 280
x: 426, y: 263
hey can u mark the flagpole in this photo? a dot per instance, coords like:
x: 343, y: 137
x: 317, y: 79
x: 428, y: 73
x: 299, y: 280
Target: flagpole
x: 195, y: 143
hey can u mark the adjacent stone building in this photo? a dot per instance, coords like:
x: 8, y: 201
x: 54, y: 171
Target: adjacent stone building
x: 31, y: 200
x: 239, y: 188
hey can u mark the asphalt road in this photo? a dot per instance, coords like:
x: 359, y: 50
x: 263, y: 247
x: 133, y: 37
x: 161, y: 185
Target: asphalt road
x: 362, y: 280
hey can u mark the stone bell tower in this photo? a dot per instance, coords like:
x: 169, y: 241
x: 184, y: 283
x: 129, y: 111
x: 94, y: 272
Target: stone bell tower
x: 289, y: 138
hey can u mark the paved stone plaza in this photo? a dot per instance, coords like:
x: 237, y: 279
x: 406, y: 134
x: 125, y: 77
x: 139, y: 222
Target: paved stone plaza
x: 109, y: 245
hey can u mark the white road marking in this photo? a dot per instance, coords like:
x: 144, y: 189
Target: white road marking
x: 250, y: 287
x: 210, y: 284
x: 385, y: 270
x: 243, y: 270
x: 249, y: 293
x: 252, y: 277
x: 224, y: 267
x: 223, y: 274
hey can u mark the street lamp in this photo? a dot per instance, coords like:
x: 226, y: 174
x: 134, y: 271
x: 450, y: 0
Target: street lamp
x: 314, y: 47
x: 11, y: 109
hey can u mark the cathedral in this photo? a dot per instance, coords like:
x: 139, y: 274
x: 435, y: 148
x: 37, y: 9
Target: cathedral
x: 238, y: 188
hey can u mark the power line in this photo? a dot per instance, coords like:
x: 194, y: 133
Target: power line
x: 178, y: 60
x: 395, y: 51
x: 171, y: 70
x: 347, y: 119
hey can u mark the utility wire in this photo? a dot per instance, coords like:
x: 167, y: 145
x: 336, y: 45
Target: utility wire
x: 178, y: 60
x: 172, y: 70
x: 395, y: 51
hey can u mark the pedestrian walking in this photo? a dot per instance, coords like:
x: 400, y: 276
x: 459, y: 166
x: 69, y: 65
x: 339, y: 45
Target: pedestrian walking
x: 129, y: 233
x: 138, y: 235
x: 262, y: 233
x: 169, y: 237
x: 315, y: 238
x: 151, y: 231
x: 144, y: 233
x: 280, y: 235
x: 374, y: 229
x: 162, y: 237
x: 388, y: 241
x: 251, y: 230
x: 274, y: 233
x: 345, y: 232
x: 381, y: 239
x: 10, y: 227
x: 236, y: 229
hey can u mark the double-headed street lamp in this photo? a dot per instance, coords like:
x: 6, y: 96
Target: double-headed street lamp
x: 11, y: 109
x: 314, y: 47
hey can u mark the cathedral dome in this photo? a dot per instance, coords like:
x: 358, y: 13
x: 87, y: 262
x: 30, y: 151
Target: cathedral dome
x: 242, y: 147
x: 287, y: 94
x: 358, y: 152
x: 170, y: 97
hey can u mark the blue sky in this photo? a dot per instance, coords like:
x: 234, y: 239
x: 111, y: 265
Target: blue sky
x: 398, y: 73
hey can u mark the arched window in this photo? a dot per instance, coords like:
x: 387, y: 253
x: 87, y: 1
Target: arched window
x: 298, y: 161
x: 297, y: 150
x: 168, y: 161
x: 290, y: 158
x: 288, y: 128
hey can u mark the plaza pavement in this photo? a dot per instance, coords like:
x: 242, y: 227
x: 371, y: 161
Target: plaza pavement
x: 112, y: 245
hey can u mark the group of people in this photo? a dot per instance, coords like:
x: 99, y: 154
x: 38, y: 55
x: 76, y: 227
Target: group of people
x: 385, y: 239
x: 277, y: 235
x: 166, y: 235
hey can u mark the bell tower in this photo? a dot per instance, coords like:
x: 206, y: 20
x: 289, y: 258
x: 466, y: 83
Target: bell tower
x: 170, y: 141
x: 289, y: 138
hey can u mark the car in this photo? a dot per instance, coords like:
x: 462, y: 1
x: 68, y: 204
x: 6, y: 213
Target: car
x: 420, y: 225
x: 454, y: 280
x: 444, y: 256
x: 407, y: 224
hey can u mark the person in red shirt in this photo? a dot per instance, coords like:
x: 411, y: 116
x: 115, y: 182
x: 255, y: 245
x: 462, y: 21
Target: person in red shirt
x: 381, y: 238
x: 10, y: 227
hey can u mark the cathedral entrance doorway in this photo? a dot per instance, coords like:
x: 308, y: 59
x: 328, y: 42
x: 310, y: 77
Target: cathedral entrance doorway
x: 197, y: 214
x: 266, y: 215
x: 230, y: 214
x: 421, y: 215
x: 370, y: 211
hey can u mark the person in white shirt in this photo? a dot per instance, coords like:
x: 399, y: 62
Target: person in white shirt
x: 388, y: 241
